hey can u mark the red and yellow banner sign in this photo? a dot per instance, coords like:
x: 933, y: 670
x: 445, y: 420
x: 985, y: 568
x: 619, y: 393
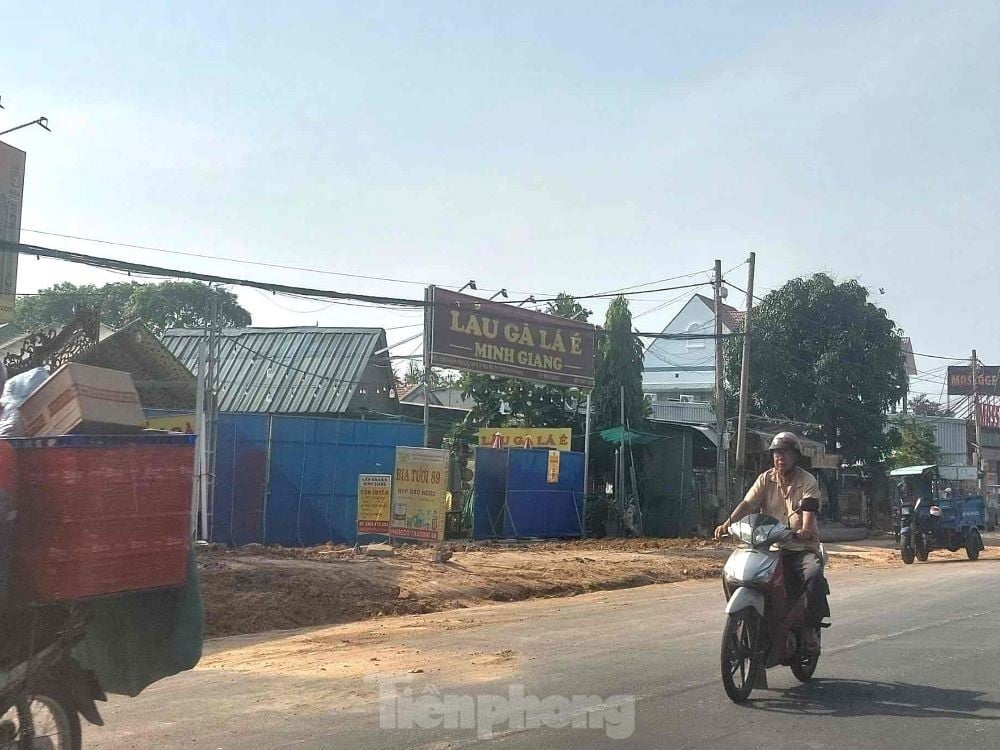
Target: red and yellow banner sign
x: 553, y: 438
x: 374, y: 501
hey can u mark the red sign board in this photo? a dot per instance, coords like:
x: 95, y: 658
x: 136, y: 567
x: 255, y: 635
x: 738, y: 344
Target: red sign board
x: 989, y: 416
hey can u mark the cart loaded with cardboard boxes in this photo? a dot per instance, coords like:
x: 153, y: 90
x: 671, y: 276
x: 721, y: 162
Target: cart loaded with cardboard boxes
x: 98, y: 586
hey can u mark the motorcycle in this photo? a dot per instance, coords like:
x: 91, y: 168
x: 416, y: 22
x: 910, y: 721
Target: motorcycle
x: 43, y: 691
x: 765, y: 610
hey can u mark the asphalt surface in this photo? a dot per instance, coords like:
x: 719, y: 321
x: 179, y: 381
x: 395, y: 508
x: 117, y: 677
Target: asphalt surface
x: 911, y: 662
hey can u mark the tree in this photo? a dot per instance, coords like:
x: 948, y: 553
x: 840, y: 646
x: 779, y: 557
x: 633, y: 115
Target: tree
x: 917, y: 446
x: 619, y: 363
x: 439, y: 379
x: 823, y: 354
x: 170, y: 304
x: 924, y: 407
x: 502, y: 402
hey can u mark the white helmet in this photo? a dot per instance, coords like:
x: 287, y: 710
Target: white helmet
x: 786, y: 441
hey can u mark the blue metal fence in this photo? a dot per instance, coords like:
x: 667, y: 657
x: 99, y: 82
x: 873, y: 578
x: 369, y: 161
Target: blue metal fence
x: 293, y: 480
x: 514, y: 499
x: 537, y: 508
x: 241, y: 479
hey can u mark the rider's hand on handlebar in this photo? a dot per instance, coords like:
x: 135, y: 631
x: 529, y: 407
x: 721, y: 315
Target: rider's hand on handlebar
x: 722, y: 530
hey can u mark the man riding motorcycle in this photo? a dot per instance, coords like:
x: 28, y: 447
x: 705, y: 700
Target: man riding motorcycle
x: 789, y: 493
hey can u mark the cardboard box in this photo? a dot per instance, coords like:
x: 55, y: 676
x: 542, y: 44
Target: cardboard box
x: 83, y: 399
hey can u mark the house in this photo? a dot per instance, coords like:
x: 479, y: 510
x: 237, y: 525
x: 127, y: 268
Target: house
x: 949, y: 435
x: 448, y: 396
x: 304, y: 371
x: 161, y: 380
x: 13, y: 337
x: 679, y: 374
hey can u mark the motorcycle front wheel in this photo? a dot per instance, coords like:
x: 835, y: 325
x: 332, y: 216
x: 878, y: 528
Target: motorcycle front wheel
x: 740, y: 662
x: 906, y: 552
x: 42, y: 720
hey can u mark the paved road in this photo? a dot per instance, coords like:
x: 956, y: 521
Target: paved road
x: 912, y: 662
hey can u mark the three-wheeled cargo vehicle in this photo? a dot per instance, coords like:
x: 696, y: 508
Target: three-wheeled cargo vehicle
x: 939, y: 507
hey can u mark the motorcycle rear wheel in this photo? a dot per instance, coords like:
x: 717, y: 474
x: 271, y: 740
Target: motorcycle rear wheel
x: 974, y: 544
x: 804, y: 666
x: 41, y: 720
x: 741, y: 664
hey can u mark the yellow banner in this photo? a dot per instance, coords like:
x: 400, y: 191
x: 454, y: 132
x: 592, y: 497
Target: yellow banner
x: 419, y: 494
x: 553, y: 438
x: 553, y: 475
x: 374, y: 499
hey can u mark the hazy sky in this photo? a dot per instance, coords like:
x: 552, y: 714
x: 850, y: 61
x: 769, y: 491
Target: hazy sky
x: 540, y: 146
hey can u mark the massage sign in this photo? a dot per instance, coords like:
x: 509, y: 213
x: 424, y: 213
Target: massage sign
x: 494, y: 338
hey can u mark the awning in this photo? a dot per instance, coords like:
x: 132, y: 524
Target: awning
x: 632, y: 437
x: 910, y: 471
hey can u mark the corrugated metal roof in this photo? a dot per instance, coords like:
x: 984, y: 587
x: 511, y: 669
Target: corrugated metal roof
x: 288, y: 370
x: 949, y: 434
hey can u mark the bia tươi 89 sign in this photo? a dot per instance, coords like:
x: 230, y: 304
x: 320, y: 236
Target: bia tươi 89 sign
x: 987, y: 380
x: 494, y: 338
x: 419, y: 494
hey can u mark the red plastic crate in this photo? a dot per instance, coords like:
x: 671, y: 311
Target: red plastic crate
x: 100, y: 515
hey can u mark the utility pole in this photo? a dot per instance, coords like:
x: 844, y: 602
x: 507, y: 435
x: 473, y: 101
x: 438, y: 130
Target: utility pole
x: 428, y: 325
x: 211, y: 413
x: 741, y: 430
x: 721, y: 482
x: 979, y: 434
x: 621, y: 457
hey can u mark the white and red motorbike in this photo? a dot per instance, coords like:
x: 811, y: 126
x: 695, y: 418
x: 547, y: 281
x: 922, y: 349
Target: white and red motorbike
x: 765, y: 610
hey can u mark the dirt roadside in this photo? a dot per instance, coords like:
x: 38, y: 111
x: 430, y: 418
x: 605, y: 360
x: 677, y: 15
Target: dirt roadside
x: 256, y: 590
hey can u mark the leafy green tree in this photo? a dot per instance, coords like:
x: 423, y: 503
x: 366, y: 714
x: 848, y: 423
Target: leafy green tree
x: 170, y: 304
x: 439, y: 379
x: 924, y: 407
x: 917, y: 446
x: 619, y: 363
x: 823, y: 354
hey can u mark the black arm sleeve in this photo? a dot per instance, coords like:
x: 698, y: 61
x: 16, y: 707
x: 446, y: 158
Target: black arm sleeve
x: 809, y: 503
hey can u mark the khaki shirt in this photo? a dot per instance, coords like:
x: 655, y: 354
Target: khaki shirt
x: 769, y: 497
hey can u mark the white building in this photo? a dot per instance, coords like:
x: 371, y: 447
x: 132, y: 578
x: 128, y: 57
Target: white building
x: 679, y: 374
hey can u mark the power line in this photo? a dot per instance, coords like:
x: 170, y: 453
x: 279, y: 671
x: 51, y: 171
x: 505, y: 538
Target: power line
x: 262, y: 264
x: 938, y: 356
x: 205, y: 256
x: 157, y: 271
x: 142, y: 268
x: 607, y: 295
x: 658, y: 281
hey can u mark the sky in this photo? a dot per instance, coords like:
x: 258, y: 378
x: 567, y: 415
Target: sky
x: 537, y: 147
